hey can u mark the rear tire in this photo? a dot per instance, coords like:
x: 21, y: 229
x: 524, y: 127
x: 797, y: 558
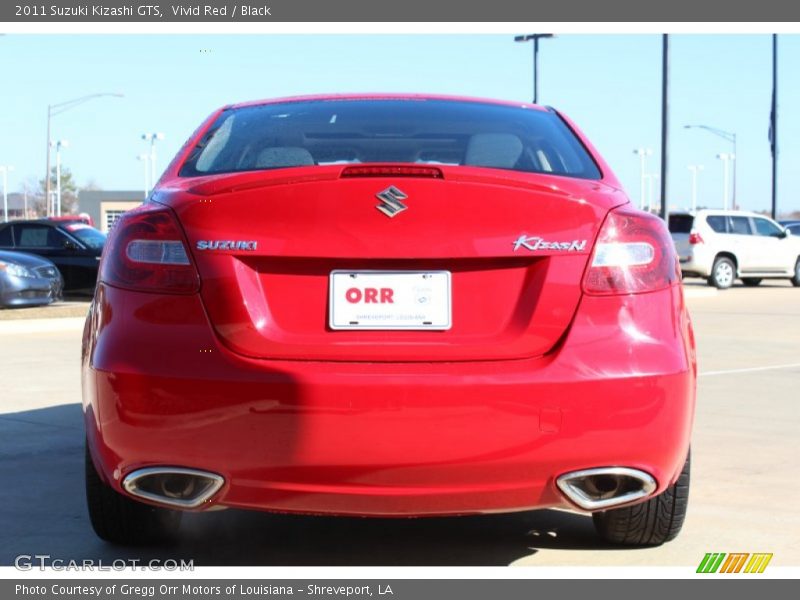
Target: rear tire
x: 121, y: 520
x: 796, y: 279
x: 751, y: 281
x: 723, y: 273
x: 650, y: 523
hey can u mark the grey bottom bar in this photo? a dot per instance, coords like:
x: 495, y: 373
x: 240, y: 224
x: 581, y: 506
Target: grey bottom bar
x: 394, y: 589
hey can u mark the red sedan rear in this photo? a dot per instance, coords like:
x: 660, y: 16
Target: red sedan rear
x: 389, y: 306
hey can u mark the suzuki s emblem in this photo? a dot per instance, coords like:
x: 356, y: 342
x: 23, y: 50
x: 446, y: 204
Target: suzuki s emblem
x: 391, y: 203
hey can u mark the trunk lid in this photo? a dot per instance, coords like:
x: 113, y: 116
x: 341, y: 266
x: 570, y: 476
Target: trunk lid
x: 513, y: 294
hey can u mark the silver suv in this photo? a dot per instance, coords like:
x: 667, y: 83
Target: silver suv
x: 721, y: 245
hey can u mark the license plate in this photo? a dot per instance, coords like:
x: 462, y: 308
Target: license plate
x: 390, y: 300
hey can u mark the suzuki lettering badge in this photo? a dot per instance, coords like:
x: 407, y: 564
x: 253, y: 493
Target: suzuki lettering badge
x: 391, y: 203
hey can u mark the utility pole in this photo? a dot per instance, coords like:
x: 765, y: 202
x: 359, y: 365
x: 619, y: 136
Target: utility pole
x: 535, y: 37
x: 773, y: 126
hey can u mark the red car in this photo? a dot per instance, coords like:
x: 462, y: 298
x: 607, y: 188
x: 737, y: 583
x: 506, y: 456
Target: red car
x: 388, y: 306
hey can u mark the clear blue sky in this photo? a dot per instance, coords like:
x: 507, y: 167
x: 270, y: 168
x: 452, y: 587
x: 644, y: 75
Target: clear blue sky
x: 609, y: 84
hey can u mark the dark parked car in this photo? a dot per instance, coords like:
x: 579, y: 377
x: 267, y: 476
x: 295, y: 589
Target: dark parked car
x: 28, y: 280
x: 74, y: 247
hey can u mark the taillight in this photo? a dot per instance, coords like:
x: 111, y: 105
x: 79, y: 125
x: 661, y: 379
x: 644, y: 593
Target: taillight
x: 695, y: 238
x: 146, y: 251
x: 634, y: 253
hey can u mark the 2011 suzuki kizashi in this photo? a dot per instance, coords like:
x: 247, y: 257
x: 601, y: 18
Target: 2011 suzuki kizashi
x: 388, y: 306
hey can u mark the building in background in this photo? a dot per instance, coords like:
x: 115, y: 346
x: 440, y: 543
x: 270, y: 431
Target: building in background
x: 16, y: 206
x: 106, y: 206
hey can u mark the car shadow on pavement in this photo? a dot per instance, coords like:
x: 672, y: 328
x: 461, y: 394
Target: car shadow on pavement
x: 44, y: 513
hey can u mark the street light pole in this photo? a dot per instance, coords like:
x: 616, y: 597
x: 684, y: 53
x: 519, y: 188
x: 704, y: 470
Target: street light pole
x: 145, y: 161
x: 535, y: 37
x: 56, y: 109
x: 59, y: 144
x: 643, y: 154
x: 728, y: 136
x: 5, y: 169
x: 47, y: 175
x: 735, y: 159
x: 58, y: 180
x: 724, y: 157
x: 695, y: 169
x: 652, y: 179
x: 152, y: 138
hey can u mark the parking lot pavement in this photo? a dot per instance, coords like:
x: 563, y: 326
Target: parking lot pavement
x: 76, y: 306
x: 745, y: 453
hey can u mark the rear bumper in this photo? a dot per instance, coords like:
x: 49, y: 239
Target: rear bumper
x: 698, y: 261
x: 388, y: 438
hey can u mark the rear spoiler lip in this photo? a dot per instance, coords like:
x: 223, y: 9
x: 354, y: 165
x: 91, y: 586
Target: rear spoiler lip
x: 249, y: 180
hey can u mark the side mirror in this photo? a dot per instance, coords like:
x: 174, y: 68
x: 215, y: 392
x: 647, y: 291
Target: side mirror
x: 787, y: 232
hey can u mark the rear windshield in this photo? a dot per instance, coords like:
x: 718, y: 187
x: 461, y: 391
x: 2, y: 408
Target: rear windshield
x: 420, y: 132
x: 680, y: 223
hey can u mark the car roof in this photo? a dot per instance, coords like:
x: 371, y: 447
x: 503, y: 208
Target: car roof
x: 34, y: 222
x: 732, y: 213
x: 388, y: 96
x: 46, y: 221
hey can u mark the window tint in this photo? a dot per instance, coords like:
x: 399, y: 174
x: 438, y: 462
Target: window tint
x: 38, y: 236
x: 416, y: 131
x: 768, y: 228
x: 740, y: 225
x: 680, y: 223
x: 5, y: 237
x: 717, y: 223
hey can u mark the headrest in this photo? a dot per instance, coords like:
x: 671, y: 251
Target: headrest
x: 498, y: 150
x: 276, y: 157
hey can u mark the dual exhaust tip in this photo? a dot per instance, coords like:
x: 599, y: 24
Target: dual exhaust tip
x: 606, y: 487
x: 589, y: 489
x: 173, y: 486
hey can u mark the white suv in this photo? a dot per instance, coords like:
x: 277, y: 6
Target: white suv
x: 721, y: 245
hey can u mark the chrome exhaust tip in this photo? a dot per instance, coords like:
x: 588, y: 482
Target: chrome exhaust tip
x: 173, y: 486
x: 605, y: 487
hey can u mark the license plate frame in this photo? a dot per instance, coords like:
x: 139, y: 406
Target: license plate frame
x: 425, y: 300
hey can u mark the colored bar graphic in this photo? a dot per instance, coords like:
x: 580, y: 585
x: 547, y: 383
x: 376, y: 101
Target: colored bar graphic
x: 734, y: 562
x: 710, y: 562
x: 713, y: 562
x: 758, y: 562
